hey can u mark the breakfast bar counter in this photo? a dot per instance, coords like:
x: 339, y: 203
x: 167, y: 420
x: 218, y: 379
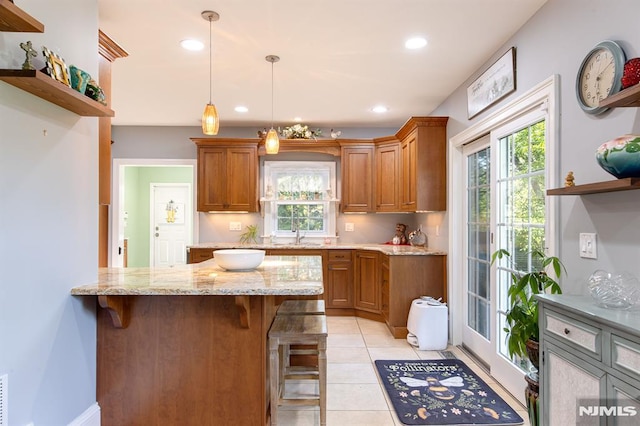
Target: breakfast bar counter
x: 187, y: 345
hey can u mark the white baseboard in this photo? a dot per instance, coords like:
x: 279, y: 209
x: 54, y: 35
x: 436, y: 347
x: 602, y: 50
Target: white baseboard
x: 90, y: 417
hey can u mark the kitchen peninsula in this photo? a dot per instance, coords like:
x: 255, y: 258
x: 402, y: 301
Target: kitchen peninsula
x: 373, y: 281
x: 187, y: 345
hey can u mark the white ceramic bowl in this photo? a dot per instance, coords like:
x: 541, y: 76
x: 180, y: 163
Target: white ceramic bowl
x: 238, y: 259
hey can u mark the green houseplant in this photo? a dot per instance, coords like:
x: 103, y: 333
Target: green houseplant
x: 522, y: 315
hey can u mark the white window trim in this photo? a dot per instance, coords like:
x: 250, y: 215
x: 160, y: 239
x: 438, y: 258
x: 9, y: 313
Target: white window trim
x: 330, y: 203
x: 544, y: 96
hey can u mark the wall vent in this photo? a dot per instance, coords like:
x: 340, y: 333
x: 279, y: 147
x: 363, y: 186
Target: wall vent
x: 4, y: 416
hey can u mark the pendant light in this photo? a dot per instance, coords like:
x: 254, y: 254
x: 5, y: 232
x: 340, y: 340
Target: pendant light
x: 210, y: 120
x: 272, y: 143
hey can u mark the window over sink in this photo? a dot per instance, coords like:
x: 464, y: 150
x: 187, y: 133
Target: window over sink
x: 299, y: 197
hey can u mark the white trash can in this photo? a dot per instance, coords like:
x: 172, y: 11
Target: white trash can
x: 428, y: 324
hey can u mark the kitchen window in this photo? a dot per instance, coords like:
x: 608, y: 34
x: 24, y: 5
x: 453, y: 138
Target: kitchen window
x: 299, y: 197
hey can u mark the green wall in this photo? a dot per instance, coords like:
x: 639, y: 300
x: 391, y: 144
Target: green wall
x: 136, y: 203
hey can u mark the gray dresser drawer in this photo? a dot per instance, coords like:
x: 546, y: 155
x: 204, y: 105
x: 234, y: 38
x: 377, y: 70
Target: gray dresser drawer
x: 583, y: 337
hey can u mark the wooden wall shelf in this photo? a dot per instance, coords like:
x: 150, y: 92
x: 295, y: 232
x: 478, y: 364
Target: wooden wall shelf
x: 39, y: 84
x: 625, y: 184
x: 629, y: 97
x: 14, y: 19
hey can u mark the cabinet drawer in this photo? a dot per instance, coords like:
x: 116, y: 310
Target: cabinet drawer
x: 583, y: 337
x: 339, y: 255
x: 625, y: 356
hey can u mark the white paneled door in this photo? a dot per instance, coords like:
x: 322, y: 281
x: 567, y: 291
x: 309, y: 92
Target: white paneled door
x: 170, y: 223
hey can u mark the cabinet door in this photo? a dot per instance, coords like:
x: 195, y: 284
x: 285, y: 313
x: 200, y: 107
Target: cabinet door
x: 357, y: 179
x: 388, y: 178
x: 408, y: 189
x: 241, y: 179
x: 367, y: 281
x: 340, y: 285
x: 627, y: 400
x: 212, y: 183
x: 568, y: 382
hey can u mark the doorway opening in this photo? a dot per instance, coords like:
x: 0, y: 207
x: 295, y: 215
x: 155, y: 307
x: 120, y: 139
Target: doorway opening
x: 134, y: 212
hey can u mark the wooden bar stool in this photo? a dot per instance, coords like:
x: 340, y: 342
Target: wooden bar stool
x: 301, y: 307
x: 288, y: 330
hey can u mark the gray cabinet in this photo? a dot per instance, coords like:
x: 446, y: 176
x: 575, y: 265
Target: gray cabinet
x: 590, y: 363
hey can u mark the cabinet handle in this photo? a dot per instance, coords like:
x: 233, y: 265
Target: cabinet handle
x: 567, y: 331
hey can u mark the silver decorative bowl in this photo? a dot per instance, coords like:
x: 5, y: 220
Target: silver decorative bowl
x: 620, y: 156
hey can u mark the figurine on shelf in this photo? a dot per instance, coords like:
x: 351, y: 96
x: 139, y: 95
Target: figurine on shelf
x: 568, y: 181
x: 400, y: 238
x: 31, y: 53
x: 95, y: 92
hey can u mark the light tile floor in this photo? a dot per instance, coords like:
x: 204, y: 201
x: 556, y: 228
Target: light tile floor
x: 355, y: 395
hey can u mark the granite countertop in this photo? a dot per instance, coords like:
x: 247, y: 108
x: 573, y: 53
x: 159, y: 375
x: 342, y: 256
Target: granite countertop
x: 389, y: 249
x: 277, y: 275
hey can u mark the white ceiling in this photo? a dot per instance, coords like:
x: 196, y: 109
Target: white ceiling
x: 339, y: 58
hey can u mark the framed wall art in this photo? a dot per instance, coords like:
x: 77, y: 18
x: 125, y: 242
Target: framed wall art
x: 56, y: 67
x: 494, y: 84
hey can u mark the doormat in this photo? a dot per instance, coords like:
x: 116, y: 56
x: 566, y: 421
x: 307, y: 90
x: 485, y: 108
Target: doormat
x: 442, y: 392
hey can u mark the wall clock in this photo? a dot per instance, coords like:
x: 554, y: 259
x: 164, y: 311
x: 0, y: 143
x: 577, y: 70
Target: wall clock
x: 599, y: 76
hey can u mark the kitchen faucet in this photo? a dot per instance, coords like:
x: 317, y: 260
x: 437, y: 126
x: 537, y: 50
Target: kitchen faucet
x: 296, y: 229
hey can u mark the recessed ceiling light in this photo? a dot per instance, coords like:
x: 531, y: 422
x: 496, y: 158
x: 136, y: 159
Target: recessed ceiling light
x: 191, y: 44
x: 241, y: 108
x: 415, y: 43
x: 380, y: 109
x: 297, y: 119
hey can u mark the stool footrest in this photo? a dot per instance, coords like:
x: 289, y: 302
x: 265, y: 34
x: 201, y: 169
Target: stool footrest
x: 300, y: 401
x: 303, y: 352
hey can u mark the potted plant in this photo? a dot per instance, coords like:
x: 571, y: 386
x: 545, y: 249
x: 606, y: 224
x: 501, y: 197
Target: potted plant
x: 522, y: 316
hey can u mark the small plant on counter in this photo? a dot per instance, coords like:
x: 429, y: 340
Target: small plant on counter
x: 250, y: 235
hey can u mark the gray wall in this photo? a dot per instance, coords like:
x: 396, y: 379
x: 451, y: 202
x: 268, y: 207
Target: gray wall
x: 555, y: 41
x: 48, y: 228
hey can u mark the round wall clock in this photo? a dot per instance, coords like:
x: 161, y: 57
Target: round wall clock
x: 599, y: 76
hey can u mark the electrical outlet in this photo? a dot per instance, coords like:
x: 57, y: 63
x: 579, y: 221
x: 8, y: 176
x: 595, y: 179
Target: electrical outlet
x: 349, y: 227
x: 588, y: 246
x: 235, y: 226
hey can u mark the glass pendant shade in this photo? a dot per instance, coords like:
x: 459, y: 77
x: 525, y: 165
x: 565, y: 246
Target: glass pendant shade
x: 272, y: 143
x: 210, y: 120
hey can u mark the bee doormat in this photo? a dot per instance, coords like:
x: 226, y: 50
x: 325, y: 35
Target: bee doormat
x: 442, y: 392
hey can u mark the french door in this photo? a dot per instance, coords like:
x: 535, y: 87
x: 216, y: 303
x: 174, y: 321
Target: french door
x: 505, y: 176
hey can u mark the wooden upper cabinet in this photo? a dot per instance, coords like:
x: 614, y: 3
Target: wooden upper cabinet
x: 388, y: 176
x: 423, y: 154
x: 357, y: 178
x: 227, y: 175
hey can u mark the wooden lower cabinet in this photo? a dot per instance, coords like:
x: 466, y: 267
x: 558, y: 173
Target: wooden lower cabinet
x: 339, y: 279
x: 409, y: 278
x: 384, y: 287
x: 197, y: 255
x: 367, y: 281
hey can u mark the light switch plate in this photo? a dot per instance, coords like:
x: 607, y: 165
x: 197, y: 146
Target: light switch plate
x: 588, y: 245
x: 235, y: 226
x: 349, y: 227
